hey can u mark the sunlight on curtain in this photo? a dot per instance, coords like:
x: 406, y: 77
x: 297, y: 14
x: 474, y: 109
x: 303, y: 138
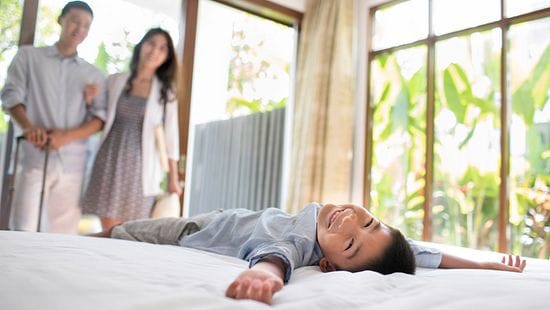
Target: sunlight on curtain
x: 323, y: 122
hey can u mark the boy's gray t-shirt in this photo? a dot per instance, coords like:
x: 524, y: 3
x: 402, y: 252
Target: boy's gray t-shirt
x: 251, y: 235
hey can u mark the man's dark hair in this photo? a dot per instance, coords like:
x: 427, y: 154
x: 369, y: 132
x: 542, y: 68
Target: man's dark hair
x: 397, y: 257
x: 77, y: 5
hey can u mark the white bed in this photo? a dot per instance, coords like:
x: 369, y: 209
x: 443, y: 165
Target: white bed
x: 48, y: 271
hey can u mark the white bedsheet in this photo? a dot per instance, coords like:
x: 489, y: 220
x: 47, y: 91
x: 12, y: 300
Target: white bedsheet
x: 48, y: 271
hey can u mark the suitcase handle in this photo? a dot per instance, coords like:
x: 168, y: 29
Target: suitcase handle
x: 45, y: 170
x: 22, y: 137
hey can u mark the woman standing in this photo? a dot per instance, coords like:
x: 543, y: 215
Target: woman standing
x: 127, y: 171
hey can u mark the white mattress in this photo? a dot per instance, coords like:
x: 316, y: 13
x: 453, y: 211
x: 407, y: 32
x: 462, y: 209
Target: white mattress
x: 48, y: 271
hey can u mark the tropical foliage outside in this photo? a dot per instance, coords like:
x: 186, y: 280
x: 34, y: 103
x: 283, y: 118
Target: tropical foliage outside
x: 9, y: 36
x: 254, y: 64
x: 467, y: 146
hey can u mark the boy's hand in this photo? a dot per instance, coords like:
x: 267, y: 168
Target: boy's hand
x: 516, y: 266
x: 256, y: 284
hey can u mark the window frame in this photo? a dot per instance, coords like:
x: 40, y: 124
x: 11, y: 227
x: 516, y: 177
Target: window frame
x: 430, y: 42
x: 262, y: 8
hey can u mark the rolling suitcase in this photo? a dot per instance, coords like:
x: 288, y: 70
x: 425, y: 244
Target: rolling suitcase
x: 45, y: 170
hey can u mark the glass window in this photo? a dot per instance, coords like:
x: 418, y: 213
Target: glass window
x: 467, y: 141
x: 242, y: 63
x: 401, y: 23
x: 399, y: 94
x: 117, y: 26
x: 112, y: 36
x: 10, y: 25
x: 529, y: 65
x: 241, y: 69
x: 518, y: 7
x: 466, y: 203
x: 451, y: 15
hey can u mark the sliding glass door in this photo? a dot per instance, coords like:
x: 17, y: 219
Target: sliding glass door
x: 241, y: 86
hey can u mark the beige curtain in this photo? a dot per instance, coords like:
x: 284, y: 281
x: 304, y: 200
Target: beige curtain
x: 323, y: 117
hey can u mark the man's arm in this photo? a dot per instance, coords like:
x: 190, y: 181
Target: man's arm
x: 19, y: 115
x: 34, y: 135
x: 453, y: 262
x: 59, y: 137
x: 259, y: 282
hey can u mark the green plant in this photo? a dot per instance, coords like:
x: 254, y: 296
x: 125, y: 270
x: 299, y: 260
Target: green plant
x: 248, y: 66
x: 255, y: 106
x: 114, y: 56
x: 397, y: 193
x: 530, y: 206
x: 465, y: 202
x: 10, y: 24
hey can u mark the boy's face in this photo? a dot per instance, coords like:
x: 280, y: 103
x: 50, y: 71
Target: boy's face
x: 350, y: 237
x: 75, y: 25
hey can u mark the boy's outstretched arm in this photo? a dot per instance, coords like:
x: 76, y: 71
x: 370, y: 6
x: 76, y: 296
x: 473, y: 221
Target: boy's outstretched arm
x: 452, y: 262
x: 259, y: 282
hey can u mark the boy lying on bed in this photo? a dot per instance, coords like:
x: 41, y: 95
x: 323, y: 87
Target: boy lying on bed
x: 343, y: 237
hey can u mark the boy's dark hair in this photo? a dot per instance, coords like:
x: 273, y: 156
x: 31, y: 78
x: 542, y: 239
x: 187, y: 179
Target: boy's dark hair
x: 76, y: 5
x: 397, y: 257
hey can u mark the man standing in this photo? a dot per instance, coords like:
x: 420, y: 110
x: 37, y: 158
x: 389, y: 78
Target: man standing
x: 49, y: 93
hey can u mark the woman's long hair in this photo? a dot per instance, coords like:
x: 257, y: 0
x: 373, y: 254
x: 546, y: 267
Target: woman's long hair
x: 166, y: 72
